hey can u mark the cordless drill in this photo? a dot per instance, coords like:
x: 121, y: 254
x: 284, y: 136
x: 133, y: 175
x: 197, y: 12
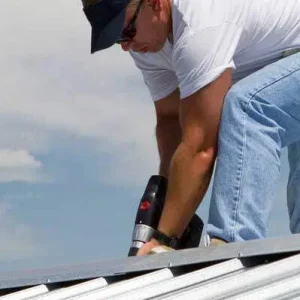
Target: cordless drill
x: 149, y: 213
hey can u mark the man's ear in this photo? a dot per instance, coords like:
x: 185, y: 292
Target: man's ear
x: 155, y: 4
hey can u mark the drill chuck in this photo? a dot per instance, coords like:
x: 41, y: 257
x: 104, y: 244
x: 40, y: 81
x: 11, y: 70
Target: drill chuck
x: 141, y: 235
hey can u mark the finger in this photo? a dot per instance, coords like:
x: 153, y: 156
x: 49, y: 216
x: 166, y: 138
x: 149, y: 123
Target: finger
x: 145, y: 249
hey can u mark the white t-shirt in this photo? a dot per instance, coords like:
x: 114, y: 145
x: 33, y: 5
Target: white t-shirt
x: 210, y: 36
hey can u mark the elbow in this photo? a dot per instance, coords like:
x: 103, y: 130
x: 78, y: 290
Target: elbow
x: 204, y: 158
x: 201, y: 161
x: 207, y: 157
x: 202, y: 150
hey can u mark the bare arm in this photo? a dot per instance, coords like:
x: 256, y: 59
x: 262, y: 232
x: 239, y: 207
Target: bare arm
x: 192, y: 163
x: 168, y: 130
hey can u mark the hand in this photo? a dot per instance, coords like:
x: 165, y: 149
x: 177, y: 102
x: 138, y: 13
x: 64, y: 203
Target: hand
x: 147, y: 247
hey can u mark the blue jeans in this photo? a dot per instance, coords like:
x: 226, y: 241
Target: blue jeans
x: 261, y: 115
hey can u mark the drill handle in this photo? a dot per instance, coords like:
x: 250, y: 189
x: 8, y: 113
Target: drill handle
x: 152, y: 202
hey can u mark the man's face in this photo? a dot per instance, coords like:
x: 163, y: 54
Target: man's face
x: 152, y: 26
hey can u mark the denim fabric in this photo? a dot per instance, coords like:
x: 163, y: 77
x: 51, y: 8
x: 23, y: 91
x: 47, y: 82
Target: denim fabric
x: 293, y: 188
x: 261, y: 115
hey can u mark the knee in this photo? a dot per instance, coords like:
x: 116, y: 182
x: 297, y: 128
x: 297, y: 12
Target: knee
x: 236, y: 98
x: 235, y: 106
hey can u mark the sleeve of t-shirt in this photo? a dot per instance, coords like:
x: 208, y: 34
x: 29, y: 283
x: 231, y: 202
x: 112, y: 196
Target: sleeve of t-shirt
x: 202, y: 56
x: 160, y: 81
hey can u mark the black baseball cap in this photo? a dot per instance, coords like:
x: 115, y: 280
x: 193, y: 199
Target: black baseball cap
x: 107, y: 20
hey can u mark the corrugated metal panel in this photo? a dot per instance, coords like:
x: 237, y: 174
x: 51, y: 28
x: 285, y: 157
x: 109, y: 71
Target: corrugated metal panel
x: 179, y: 275
x: 75, y: 290
x: 111, y: 268
x: 246, y: 281
x: 184, y: 281
x: 122, y: 287
x: 285, y: 289
x: 27, y: 293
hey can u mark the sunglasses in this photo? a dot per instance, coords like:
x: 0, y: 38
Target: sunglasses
x: 129, y: 32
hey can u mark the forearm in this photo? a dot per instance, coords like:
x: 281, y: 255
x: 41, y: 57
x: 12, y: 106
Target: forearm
x: 192, y: 164
x: 189, y: 173
x: 189, y: 177
x: 168, y: 136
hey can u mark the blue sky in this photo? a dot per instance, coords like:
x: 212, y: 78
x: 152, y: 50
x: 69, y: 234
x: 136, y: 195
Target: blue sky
x: 77, y: 142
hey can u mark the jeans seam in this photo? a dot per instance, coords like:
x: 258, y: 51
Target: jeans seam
x: 239, y: 175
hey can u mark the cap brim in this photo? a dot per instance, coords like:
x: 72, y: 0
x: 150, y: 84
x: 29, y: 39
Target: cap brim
x: 103, y: 39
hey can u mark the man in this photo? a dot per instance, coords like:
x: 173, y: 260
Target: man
x: 195, y: 56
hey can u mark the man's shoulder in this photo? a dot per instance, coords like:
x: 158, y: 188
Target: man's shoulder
x: 192, y: 16
x: 199, y: 13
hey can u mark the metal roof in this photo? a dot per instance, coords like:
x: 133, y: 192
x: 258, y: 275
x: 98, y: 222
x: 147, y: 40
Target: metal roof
x: 262, y: 269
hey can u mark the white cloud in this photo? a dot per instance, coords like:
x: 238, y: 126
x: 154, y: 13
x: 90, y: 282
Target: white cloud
x: 17, y: 240
x: 19, y: 165
x: 19, y: 158
x: 49, y: 81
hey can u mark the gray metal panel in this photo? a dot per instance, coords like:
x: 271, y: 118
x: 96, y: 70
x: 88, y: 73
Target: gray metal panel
x: 289, y: 244
x: 27, y: 293
x: 284, y: 289
x: 128, y: 285
x: 183, y: 281
x: 228, y: 280
x: 246, y: 281
x: 74, y: 290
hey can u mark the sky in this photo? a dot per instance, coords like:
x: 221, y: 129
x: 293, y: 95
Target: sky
x: 77, y: 142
